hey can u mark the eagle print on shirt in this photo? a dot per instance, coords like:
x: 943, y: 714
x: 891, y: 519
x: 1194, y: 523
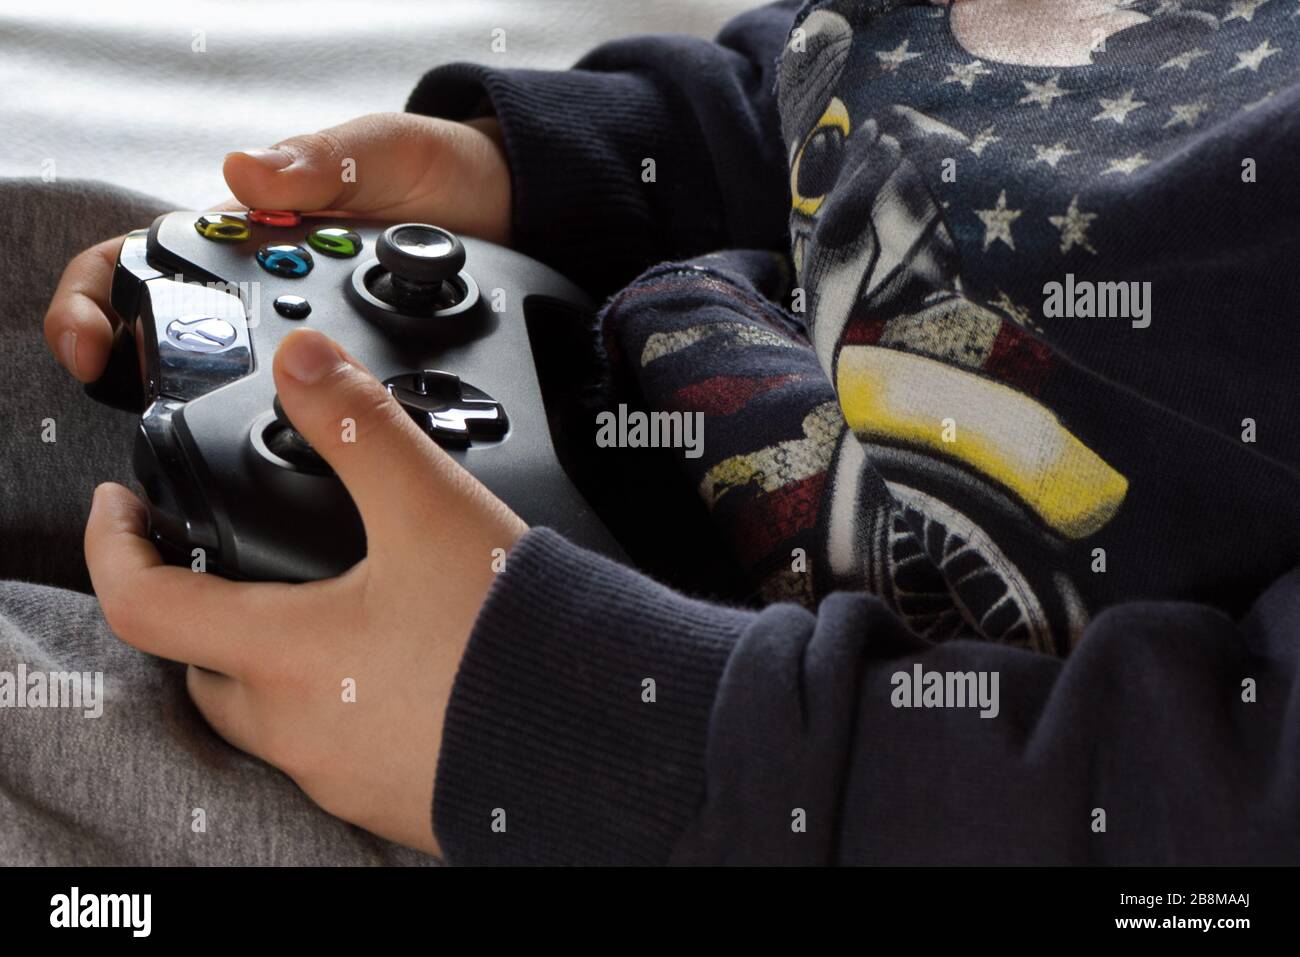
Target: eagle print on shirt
x: 950, y: 387
x: 927, y: 433
x: 937, y: 390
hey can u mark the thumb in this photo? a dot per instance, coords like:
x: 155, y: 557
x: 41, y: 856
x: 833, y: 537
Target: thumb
x: 392, y: 166
x: 404, y: 484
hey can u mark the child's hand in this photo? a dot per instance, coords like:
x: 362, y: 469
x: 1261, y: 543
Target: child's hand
x: 271, y: 664
x: 387, y: 166
x: 391, y: 166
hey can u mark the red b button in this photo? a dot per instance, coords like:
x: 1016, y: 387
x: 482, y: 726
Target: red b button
x: 274, y: 217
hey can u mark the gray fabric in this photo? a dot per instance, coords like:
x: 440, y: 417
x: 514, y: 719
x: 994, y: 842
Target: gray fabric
x: 45, y: 486
x: 121, y: 788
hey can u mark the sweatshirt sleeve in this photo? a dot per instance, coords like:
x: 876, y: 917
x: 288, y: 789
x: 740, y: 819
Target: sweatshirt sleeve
x: 600, y: 718
x: 580, y: 143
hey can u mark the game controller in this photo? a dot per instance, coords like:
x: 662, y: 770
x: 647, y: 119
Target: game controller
x: 204, y: 300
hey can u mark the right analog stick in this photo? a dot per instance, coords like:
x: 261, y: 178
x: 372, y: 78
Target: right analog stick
x: 420, y: 269
x: 420, y: 254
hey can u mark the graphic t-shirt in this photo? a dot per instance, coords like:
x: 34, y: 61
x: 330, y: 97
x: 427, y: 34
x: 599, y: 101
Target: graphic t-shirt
x: 1050, y: 305
x: 927, y: 385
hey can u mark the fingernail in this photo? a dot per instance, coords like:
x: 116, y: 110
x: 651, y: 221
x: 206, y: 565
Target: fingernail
x: 68, y: 350
x: 272, y: 159
x: 309, y: 357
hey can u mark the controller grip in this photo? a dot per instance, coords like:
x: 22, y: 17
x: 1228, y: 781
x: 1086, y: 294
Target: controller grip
x: 120, y: 386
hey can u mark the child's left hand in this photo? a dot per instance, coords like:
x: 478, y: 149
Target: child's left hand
x: 270, y: 663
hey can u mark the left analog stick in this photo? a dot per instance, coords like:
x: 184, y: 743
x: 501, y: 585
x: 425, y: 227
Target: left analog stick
x: 288, y: 443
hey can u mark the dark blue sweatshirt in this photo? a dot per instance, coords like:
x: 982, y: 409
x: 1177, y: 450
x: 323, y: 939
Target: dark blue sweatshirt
x: 986, y: 554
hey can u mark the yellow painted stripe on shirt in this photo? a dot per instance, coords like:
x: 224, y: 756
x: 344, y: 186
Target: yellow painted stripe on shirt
x: 1002, y: 434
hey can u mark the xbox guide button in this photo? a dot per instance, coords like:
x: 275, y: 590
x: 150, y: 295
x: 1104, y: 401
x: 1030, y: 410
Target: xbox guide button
x: 201, y: 333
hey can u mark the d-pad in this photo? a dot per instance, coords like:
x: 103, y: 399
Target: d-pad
x: 450, y: 411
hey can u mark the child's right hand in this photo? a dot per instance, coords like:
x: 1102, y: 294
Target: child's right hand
x: 388, y: 166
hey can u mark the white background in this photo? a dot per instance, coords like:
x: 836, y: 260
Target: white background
x: 111, y: 90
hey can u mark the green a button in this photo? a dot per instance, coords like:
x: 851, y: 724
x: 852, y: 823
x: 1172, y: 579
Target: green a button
x: 335, y: 241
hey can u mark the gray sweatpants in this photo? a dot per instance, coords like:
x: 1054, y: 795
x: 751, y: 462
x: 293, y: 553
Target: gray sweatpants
x: 146, y: 781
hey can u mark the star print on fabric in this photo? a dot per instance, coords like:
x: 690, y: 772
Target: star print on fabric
x: 1017, y: 313
x: 982, y: 139
x: 1250, y: 107
x: 1126, y: 166
x: 1051, y: 155
x: 1043, y: 93
x: 1253, y: 58
x: 1074, y: 227
x: 1243, y: 10
x: 1188, y: 114
x: 1118, y: 109
x: 967, y: 73
x: 891, y: 60
x: 1183, y: 60
x: 997, y: 222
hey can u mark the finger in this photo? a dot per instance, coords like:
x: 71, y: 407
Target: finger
x: 232, y: 205
x: 176, y: 613
x: 79, y: 323
x: 401, y: 481
x: 393, y: 166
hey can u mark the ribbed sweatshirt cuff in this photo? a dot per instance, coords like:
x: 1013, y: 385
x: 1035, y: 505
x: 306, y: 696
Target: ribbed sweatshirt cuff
x: 576, y: 141
x: 579, y: 717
